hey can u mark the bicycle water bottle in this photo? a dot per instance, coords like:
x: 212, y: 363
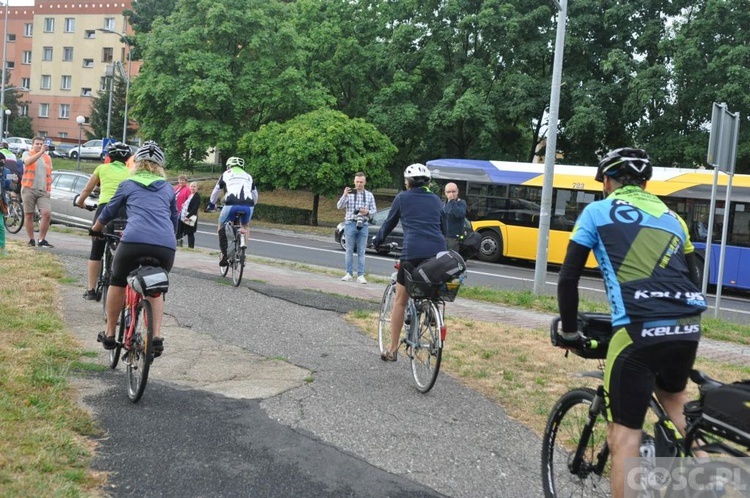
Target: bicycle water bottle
x: 127, y: 317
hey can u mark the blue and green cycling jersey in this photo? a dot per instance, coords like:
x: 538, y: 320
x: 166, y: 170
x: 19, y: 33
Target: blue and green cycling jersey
x: 641, y: 247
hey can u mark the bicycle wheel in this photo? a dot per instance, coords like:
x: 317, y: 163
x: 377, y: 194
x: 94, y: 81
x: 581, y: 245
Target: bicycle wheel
x: 141, y: 352
x: 570, y: 427
x: 14, y: 220
x: 114, y: 354
x: 384, y: 321
x: 428, y: 346
x: 238, y: 265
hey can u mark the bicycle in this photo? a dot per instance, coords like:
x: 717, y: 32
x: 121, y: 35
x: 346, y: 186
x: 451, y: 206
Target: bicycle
x: 424, y: 325
x: 235, y: 254
x: 575, y: 454
x: 135, y: 332
x: 15, y: 218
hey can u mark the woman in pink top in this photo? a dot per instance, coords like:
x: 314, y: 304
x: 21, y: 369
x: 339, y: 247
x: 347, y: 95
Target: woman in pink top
x: 181, y: 193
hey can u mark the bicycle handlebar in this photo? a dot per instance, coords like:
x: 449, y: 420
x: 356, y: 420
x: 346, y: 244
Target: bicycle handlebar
x: 86, y: 207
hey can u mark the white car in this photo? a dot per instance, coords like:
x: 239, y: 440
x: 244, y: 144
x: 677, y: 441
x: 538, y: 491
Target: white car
x: 19, y: 145
x: 92, y: 149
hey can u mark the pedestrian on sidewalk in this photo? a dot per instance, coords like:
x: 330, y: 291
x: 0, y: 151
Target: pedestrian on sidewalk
x: 455, y: 213
x: 181, y: 194
x: 36, y: 187
x: 360, y: 207
x: 189, y: 215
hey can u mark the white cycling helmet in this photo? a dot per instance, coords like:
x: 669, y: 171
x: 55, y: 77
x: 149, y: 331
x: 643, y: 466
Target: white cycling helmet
x: 235, y: 161
x: 417, y: 170
x: 150, y: 151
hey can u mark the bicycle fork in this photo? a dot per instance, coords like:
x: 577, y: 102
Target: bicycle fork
x: 577, y: 465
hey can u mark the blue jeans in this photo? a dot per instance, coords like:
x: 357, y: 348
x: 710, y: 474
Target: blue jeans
x: 356, y: 238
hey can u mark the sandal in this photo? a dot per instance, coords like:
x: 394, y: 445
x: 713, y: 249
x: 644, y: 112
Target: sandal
x: 158, y: 344
x: 389, y: 355
x: 107, y: 342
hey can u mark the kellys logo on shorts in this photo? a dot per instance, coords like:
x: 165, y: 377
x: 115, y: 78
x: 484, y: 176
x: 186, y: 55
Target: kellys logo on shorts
x: 667, y: 330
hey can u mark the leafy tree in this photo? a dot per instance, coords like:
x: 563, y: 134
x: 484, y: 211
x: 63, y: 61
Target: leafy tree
x: 142, y: 16
x: 100, y: 110
x: 215, y: 70
x: 319, y: 151
x: 18, y: 126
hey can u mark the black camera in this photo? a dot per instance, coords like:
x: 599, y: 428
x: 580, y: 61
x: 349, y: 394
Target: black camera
x: 361, y: 221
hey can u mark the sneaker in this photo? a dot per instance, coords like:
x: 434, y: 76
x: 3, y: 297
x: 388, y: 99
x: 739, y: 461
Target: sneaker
x: 361, y: 279
x: 223, y: 261
x: 389, y: 355
x: 158, y: 344
x: 90, y: 295
x: 179, y: 242
x: 31, y: 243
x: 44, y: 243
x: 347, y: 278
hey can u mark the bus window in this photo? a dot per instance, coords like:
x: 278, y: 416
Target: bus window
x: 739, y: 230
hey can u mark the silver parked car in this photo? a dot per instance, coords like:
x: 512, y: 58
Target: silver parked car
x: 93, y: 149
x: 65, y: 186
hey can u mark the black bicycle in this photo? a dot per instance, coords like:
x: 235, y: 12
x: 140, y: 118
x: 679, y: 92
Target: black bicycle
x: 15, y: 218
x: 114, y: 227
x: 575, y: 454
x: 235, y: 250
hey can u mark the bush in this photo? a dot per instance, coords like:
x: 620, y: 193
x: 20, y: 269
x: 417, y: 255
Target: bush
x: 282, y: 214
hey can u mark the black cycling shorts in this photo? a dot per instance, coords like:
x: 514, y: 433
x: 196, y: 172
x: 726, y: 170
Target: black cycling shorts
x: 127, y: 254
x: 633, y: 372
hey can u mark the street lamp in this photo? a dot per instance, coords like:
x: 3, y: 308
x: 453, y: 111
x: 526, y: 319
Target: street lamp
x: 7, y: 121
x: 80, y: 120
x: 124, y: 40
x: 2, y: 83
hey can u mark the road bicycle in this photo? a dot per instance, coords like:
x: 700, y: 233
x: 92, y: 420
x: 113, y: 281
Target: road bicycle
x: 135, y: 325
x: 424, y: 331
x: 575, y: 455
x: 235, y: 250
x: 15, y: 218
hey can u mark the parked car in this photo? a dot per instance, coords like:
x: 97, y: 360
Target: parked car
x: 65, y: 186
x: 62, y: 150
x: 18, y: 145
x: 93, y: 149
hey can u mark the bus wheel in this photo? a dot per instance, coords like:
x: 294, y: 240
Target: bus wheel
x: 491, y: 247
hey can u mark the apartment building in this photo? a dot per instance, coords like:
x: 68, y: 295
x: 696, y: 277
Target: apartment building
x: 59, y: 51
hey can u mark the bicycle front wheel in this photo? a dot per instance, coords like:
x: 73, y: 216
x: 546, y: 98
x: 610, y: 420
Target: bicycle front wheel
x: 238, y: 265
x: 141, y: 352
x: 427, y: 349
x: 14, y: 220
x: 384, y: 321
x: 114, y: 354
x: 570, y: 428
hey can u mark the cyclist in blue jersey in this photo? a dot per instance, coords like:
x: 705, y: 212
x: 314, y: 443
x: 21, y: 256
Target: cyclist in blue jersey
x: 241, y: 197
x: 421, y: 214
x: 151, y: 210
x: 651, y: 277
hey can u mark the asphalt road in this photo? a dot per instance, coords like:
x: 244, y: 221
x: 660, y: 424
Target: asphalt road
x: 343, y: 424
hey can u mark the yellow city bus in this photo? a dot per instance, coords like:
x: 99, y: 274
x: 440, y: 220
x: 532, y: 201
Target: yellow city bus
x: 503, y: 200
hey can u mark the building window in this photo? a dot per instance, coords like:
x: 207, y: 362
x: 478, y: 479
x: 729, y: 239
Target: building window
x: 66, y: 82
x: 67, y: 54
x: 10, y: 64
x: 103, y: 84
x: 42, y: 134
x: 108, y: 54
x: 89, y: 34
x: 26, y: 82
x: 64, y: 111
x: 11, y: 37
x: 85, y: 92
x: 23, y: 110
x: 47, y: 54
x: 46, y: 83
x: 43, y: 110
x: 26, y: 58
x: 70, y: 24
x: 63, y: 134
x: 28, y: 29
x: 49, y: 24
x: 109, y: 23
x: 88, y: 62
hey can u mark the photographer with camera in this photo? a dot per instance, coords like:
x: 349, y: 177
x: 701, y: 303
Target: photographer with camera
x: 360, y: 207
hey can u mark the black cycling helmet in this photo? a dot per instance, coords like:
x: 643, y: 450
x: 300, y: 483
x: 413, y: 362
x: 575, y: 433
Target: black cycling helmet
x: 625, y: 161
x: 150, y: 151
x: 118, y: 151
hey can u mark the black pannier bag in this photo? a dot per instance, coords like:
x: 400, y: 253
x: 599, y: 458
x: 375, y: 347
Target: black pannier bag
x: 445, y: 266
x: 726, y: 412
x: 149, y: 280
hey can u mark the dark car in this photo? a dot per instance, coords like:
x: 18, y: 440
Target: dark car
x: 65, y: 186
x: 62, y: 150
x: 396, y: 236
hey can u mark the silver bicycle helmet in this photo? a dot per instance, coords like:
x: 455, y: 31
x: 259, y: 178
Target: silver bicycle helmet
x: 625, y: 161
x: 417, y: 170
x: 150, y: 151
x: 118, y: 151
x: 235, y: 161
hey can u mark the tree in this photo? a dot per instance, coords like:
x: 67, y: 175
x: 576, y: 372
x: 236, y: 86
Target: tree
x: 100, y: 112
x: 18, y: 126
x: 319, y: 151
x: 215, y: 70
x: 142, y: 16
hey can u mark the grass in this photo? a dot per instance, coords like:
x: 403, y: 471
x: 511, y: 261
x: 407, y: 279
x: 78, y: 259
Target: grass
x: 45, y: 445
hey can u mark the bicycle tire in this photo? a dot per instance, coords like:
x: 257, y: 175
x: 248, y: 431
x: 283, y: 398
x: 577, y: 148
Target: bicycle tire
x: 427, y: 350
x: 562, y: 436
x: 141, y: 352
x: 14, y: 220
x: 238, y: 265
x: 114, y: 354
x: 384, y: 319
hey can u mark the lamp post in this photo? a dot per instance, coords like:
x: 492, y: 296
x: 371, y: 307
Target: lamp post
x: 7, y: 121
x: 2, y: 83
x: 110, y: 75
x: 127, y: 81
x: 80, y: 120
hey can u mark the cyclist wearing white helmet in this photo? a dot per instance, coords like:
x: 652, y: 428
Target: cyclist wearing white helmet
x: 423, y: 220
x: 240, y: 199
x: 149, y: 203
x: 108, y: 177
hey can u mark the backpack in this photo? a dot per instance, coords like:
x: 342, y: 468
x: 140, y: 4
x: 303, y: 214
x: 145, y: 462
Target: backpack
x: 444, y: 266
